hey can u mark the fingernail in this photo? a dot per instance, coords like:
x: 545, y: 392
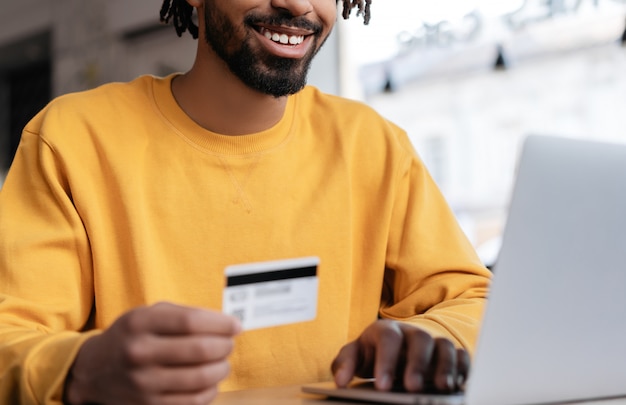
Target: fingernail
x: 420, y: 381
x: 415, y: 383
x: 341, y: 376
x: 384, y: 382
x: 450, y: 382
x: 460, y: 382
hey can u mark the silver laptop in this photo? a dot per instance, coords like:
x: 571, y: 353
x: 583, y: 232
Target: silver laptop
x: 555, y: 326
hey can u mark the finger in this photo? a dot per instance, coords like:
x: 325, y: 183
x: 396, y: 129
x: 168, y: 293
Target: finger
x: 345, y: 364
x: 388, y: 344
x: 177, y: 350
x: 463, y: 363
x: 180, y: 380
x: 420, y: 348
x: 445, y: 366
x: 171, y: 319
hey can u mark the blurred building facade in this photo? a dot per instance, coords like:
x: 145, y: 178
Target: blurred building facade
x: 467, y: 108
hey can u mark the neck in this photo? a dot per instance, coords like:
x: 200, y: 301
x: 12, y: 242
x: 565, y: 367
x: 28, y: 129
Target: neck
x: 218, y: 101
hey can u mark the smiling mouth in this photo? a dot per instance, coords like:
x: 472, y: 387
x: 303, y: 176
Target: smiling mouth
x: 281, y: 38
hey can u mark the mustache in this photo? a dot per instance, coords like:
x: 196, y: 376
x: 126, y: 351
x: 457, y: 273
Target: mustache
x: 285, y: 19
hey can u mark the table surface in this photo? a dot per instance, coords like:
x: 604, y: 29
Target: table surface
x: 271, y: 396
x: 294, y: 396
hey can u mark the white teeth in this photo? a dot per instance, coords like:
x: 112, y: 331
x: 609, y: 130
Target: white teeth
x: 283, y: 38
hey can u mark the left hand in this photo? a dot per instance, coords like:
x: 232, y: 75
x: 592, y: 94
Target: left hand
x: 389, y: 350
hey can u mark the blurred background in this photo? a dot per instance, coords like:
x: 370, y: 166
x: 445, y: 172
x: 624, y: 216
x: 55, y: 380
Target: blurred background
x: 467, y: 79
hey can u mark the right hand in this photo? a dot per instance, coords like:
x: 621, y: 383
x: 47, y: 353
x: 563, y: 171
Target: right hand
x: 163, y: 354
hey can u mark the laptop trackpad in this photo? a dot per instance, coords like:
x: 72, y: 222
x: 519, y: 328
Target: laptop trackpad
x: 365, y: 391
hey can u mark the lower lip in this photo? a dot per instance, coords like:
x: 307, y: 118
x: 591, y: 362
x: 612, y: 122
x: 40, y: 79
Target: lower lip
x: 285, y: 50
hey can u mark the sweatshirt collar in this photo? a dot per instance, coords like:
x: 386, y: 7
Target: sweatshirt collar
x: 213, y: 142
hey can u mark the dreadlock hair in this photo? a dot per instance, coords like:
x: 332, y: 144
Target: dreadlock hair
x: 363, y: 8
x: 181, y: 14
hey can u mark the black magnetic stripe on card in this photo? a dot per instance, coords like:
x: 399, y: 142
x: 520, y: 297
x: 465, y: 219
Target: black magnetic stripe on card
x: 271, y: 276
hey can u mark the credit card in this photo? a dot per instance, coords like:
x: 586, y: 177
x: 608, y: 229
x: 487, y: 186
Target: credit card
x: 272, y: 293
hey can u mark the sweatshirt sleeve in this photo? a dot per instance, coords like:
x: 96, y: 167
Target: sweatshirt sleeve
x: 46, y: 286
x: 433, y: 278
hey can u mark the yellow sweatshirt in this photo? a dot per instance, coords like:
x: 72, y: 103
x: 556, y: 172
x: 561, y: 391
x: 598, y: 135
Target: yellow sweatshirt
x: 116, y: 199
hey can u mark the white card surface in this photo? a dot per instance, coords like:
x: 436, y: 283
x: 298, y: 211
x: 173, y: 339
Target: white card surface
x: 272, y: 293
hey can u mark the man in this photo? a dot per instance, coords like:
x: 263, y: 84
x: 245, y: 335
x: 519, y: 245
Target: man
x: 125, y: 203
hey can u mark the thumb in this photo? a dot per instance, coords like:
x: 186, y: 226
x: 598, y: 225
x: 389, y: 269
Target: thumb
x: 344, y: 365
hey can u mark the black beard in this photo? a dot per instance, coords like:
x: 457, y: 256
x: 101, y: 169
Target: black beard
x: 263, y: 72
